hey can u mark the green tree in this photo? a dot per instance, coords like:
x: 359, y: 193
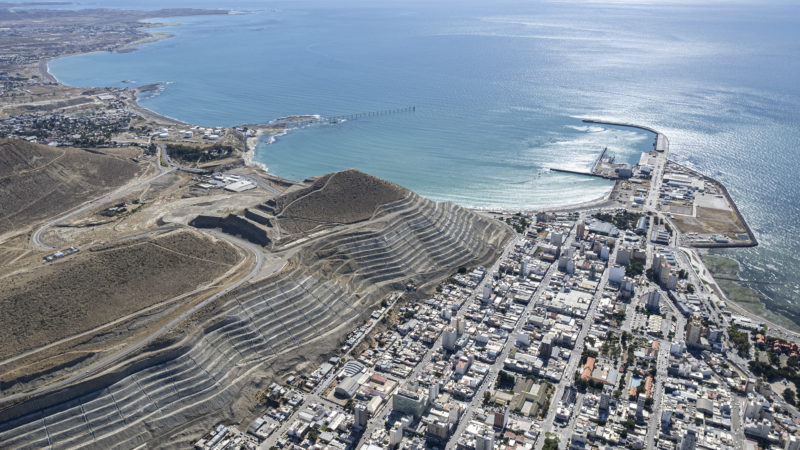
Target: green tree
x: 789, y: 396
x: 739, y: 339
x: 504, y: 379
x: 550, y: 443
x: 635, y: 268
x: 774, y: 359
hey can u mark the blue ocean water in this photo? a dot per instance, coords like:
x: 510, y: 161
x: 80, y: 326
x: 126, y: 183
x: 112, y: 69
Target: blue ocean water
x: 499, y: 90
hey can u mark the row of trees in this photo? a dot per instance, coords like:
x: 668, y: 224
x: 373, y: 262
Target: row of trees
x: 740, y: 340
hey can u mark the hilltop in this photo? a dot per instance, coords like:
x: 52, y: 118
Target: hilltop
x: 338, y: 198
x: 37, y: 181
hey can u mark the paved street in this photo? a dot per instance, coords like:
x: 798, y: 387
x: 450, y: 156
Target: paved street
x: 572, y: 366
x: 379, y: 418
x: 489, y: 381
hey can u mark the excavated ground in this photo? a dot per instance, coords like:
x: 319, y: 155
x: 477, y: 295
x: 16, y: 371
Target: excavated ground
x: 209, y: 367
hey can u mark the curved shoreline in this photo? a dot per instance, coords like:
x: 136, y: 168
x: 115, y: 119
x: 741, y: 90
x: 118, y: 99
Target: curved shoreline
x: 602, y: 201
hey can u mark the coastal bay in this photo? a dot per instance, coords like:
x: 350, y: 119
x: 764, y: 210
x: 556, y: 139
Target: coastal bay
x: 510, y: 115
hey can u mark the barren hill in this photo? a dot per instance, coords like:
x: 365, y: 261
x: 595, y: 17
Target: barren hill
x: 38, y: 181
x: 375, y: 238
x: 101, y: 284
x: 338, y: 198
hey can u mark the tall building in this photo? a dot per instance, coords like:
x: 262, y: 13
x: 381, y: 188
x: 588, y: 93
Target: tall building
x: 449, y: 339
x: 487, y: 291
x: 640, y: 401
x: 501, y: 418
x: 438, y: 429
x: 485, y: 440
x: 672, y: 281
x: 460, y: 326
x: 546, y: 347
x: 361, y: 416
x: 658, y: 261
x: 433, y: 391
x: 615, y: 275
x: 750, y: 387
x: 666, y: 419
x: 580, y: 230
x: 408, y: 402
x: 689, y: 440
x: 752, y: 408
x: 396, y: 434
x: 624, y: 256
x: 694, y: 330
x: 526, y: 263
x: 605, y: 398
x: 663, y: 274
x: 652, y: 300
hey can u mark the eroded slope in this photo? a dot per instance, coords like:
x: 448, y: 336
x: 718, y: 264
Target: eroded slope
x: 209, y: 369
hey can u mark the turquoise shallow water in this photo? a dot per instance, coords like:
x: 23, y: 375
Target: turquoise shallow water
x: 499, y: 89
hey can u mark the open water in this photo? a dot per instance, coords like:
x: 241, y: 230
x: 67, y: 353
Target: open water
x: 499, y: 90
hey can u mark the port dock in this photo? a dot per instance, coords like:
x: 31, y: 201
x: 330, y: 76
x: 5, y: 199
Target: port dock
x: 595, y: 171
x: 661, y: 143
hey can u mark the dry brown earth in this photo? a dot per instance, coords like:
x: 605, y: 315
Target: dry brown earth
x: 101, y: 284
x: 711, y: 221
x: 338, y: 198
x: 37, y: 181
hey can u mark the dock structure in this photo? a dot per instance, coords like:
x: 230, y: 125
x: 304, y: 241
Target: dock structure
x: 592, y: 173
x: 660, y: 145
x: 574, y: 172
x: 599, y: 159
x: 384, y: 112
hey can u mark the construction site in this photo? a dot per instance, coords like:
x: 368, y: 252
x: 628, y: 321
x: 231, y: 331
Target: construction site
x: 180, y: 303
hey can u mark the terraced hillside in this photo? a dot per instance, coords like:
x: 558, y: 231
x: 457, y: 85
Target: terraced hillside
x: 413, y: 238
x: 37, y: 181
x: 315, y: 205
x: 210, y: 369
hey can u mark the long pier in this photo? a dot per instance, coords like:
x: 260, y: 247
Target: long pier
x: 384, y: 112
x: 579, y: 172
x: 599, y: 158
